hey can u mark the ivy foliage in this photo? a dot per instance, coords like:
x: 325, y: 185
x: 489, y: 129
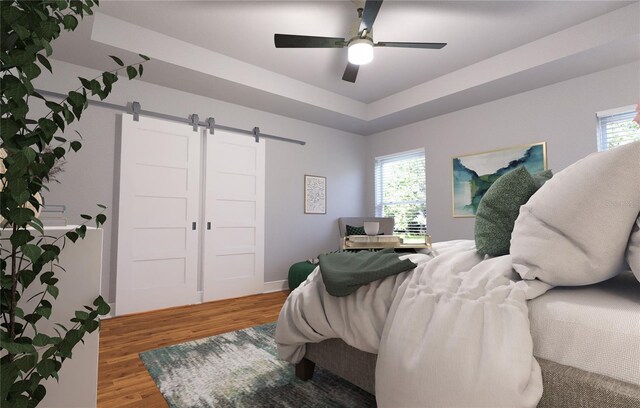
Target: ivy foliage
x: 30, y: 147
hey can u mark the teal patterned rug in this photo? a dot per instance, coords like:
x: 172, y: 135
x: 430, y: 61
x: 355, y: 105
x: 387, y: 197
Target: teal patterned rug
x: 241, y: 369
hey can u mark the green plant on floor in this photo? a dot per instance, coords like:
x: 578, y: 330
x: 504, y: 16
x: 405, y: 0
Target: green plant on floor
x: 31, y: 148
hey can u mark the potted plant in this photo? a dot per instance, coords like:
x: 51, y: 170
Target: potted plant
x: 32, y: 148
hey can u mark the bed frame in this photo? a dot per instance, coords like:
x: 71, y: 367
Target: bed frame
x: 564, y: 386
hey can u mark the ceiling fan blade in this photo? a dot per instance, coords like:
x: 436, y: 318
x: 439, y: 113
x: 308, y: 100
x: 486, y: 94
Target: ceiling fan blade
x: 306, y: 41
x: 435, y: 46
x: 350, y: 73
x: 371, y: 8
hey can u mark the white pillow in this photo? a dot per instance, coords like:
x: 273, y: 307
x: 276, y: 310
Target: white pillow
x: 575, y: 229
x: 633, y: 251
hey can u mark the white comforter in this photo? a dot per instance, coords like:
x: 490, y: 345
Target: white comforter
x: 454, y: 331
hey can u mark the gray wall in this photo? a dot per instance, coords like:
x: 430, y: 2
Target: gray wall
x: 561, y: 114
x: 290, y: 235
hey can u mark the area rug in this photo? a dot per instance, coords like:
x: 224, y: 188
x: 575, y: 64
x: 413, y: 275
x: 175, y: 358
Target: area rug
x: 241, y: 369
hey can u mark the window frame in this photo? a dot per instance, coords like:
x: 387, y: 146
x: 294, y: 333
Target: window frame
x: 379, y: 191
x: 601, y: 140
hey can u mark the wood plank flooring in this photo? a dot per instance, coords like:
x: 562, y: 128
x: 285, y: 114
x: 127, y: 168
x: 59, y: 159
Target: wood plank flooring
x: 124, y: 382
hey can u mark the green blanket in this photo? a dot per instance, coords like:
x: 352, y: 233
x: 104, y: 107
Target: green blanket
x: 344, y: 272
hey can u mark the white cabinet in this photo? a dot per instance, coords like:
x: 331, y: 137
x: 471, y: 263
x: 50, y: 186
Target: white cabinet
x: 191, y: 215
x: 79, y: 285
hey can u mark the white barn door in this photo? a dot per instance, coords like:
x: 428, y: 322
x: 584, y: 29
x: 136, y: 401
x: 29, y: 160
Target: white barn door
x: 159, y: 202
x: 233, y: 249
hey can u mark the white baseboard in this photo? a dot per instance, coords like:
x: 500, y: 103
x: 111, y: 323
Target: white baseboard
x: 275, y: 286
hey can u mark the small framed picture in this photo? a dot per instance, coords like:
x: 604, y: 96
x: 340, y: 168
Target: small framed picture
x: 315, y: 194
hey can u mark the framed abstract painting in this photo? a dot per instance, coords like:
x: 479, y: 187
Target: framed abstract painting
x: 315, y: 194
x: 473, y: 174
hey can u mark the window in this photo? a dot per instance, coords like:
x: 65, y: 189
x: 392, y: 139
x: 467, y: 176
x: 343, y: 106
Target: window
x: 616, y: 127
x: 401, y: 192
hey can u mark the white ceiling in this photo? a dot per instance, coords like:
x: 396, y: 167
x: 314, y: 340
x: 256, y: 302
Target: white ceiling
x: 399, y: 86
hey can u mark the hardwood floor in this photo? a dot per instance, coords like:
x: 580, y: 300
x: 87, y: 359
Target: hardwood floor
x: 124, y: 382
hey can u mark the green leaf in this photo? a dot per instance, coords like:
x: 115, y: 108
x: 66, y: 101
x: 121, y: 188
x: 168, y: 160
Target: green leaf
x: 95, y: 87
x: 109, y: 78
x: 80, y: 315
x: 85, y: 82
x: 53, y: 291
x: 131, y: 72
x: 25, y: 277
x: 59, y: 121
x: 73, y: 236
x: 73, y: 336
x: 62, y: 327
x: 103, y: 307
x: 140, y: 69
x: 100, y: 219
x: 26, y: 362
x: 21, y: 31
x: 20, y: 237
x: 117, y: 60
x: 20, y: 216
x: 59, y: 152
x: 144, y: 57
x: 37, y: 225
x: 76, y: 99
x: 91, y: 326
x: 40, y: 340
x: 31, y: 71
x: 16, y: 348
x: 45, y: 278
x: 10, y: 373
x: 43, y: 311
x: 46, y: 368
x: 82, y: 230
x: 104, y: 207
x: 75, y: 145
x: 56, y: 107
x: 39, y: 393
x: 70, y: 22
x: 52, y: 248
x: 45, y: 62
x: 8, y: 128
x: 86, y: 217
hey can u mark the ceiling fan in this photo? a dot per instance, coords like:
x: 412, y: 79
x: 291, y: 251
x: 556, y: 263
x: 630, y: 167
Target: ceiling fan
x: 359, y: 46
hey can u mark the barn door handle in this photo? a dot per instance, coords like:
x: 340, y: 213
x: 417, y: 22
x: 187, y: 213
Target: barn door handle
x: 193, y: 225
x: 209, y: 225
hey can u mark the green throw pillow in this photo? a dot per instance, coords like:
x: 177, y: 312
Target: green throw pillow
x: 499, y: 208
x: 355, y: 230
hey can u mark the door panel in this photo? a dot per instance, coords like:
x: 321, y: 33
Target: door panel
x: 233, y: 258
x: 159, y: 200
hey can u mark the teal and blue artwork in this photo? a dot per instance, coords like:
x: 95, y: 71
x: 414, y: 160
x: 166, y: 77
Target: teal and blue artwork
x: 473, y: 174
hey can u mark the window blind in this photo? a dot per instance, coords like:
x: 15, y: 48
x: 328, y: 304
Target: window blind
x: 616, y: 130
x: 400, y: 190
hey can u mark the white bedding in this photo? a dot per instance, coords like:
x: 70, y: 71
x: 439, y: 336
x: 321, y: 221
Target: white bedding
x: 454, y: 331
x: 594, y: 328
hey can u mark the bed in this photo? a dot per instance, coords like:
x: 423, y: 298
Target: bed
x: 586, y: 340
x: 551, y: 322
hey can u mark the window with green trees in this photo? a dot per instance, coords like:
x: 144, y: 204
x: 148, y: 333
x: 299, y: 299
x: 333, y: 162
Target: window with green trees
x: 400, y: 190
x: 617, y: 128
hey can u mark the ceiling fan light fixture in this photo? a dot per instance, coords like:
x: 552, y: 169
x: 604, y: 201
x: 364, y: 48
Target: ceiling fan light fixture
x: 360, y: 51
